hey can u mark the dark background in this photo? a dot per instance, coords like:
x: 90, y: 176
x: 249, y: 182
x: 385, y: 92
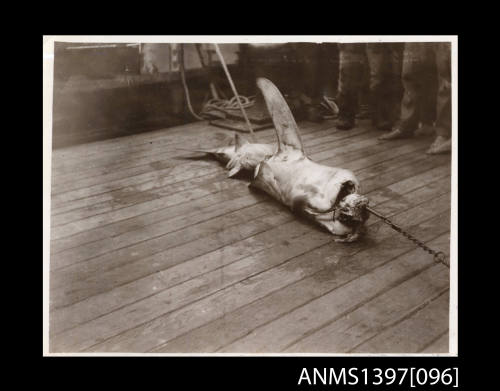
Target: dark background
x: 236, y: 373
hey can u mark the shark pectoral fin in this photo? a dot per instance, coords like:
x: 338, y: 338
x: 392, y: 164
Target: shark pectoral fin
x: 236, y: 169
x: 239, y: 141
x: 286, y: 128
x: 231, y: 163
x: 256, y: 171
x: 264, y: 180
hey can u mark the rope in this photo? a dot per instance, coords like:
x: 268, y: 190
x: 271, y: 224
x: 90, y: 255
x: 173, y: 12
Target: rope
x: 184, y: 84
x: 330, y: 104
x: 224, y: 105
x: 233, y: 87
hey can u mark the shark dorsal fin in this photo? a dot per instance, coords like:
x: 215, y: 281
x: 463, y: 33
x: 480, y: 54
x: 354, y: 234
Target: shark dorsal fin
x: 239, y: 141
x: 287, y: 130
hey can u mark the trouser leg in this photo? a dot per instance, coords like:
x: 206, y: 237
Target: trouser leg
x: 413, y: 59
x: 351, y: 67
x: 309, y: 76
x: 395, y: 85
x: 328, y: 68
x: 377, y: 62
x: 385, y: 60
x: 428, y: 82
x: 443, y: 107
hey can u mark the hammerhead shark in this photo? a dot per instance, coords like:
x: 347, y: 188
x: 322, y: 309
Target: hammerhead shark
x: 327, y: 195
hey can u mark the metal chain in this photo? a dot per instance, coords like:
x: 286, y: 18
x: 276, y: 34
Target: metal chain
x: 439, y: 256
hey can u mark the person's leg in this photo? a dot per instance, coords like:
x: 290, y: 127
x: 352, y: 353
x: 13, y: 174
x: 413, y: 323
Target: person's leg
x: 428, y: 81
x: 309, y: 80
x: 394, y: 82
x: 412, y: 97
x: 376, y: 54
x: 442, y: 144
x: 329, y: 68
x: 351, y: 63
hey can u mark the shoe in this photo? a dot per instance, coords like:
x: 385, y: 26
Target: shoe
x: 345, y: 123
x: 395, y: 135
x: 440, y: 145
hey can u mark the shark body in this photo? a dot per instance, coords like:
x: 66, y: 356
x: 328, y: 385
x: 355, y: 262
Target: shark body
x: 327, y: 195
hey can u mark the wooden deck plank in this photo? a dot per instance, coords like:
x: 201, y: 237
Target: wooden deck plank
x: 439, y: 345
x: 130, y: 158
x: 147, y: 248
x: 184, y: 222
x: 96, y: 166
x: 207, y: 193
x: 161, y: 177
x: 106, y: 302
x: 193, y: 213
x: 148, y: 335
x: 69, y: 157
x: 167, y: 135
x: 66, y: 156
x: 132, y: 196
x: 160, y: 186
x: 103, y: 272
x: 127, y: 212
x: 107, y: 145
x: 395, y: 305
x: 120, y: 296
x: 415, y: 332
x: 335, y: 270
x: 92, y: 153
x: 110, y: 230
x: 166, y: 173
x: 165, y: 220
x: 141, y: 174
x: 62, y: 218
x: 331, y: 306
x: 214, y: 189
x: 161, y: 181
x: 124, y: 216
x: 98, y: 182
x: 155, y: 252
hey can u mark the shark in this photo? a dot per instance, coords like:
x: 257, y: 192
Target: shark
x: 329, y: 196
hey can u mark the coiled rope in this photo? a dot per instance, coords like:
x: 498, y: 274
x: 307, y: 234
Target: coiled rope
x: 226, y: 105
x: 223, y: 105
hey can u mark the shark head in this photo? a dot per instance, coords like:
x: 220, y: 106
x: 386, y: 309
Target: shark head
x: 351, y: 210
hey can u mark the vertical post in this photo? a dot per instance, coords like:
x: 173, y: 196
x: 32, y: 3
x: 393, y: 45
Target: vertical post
x: 233, y: 87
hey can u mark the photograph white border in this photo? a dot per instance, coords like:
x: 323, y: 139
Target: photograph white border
x: 48, y: 77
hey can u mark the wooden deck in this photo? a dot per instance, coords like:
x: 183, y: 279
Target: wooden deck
x: 155, y: 252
